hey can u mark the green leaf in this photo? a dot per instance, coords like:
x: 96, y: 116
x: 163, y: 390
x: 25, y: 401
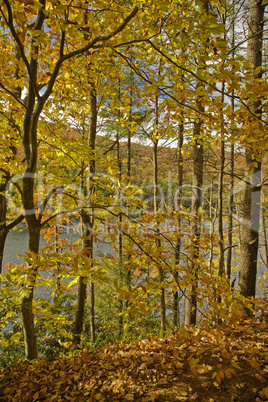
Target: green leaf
x: 253, y: 97
x: 258, y: 69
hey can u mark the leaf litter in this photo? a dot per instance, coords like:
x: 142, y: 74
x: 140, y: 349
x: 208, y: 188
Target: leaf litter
x: 219, y: 364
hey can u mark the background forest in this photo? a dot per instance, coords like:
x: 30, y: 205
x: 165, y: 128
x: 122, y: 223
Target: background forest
x: 134, y: 151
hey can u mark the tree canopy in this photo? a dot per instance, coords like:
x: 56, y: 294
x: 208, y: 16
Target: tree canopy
x: 133, y: 151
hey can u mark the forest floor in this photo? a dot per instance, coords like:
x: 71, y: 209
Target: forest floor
x: 217, y: 365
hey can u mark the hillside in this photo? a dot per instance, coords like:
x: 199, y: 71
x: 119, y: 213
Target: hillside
x: 221, y: 364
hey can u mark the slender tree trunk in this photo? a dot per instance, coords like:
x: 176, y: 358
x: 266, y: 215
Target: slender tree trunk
x: 3, y: 236
x: 252, y: 195
x: 80, y: 309
x: 220, y: 217
x: 198, y: 155
x: 265, y: 239
x: 230, y: 218
x: 175, y: 303
x: 129, y: 156
x: 231, y: 195
x: 197, y: 198
x: 120, y: 240
x: 30, y: 339
x: 33, y: 110
x: 57, y: 250
x: 250, y: 231
x: 213, y: 218
x: 87, y: 221
x: 156, y: 206
x: 220, y: 197
x: 3, y: 212
x: 33, y: 224
x: 221, y: 176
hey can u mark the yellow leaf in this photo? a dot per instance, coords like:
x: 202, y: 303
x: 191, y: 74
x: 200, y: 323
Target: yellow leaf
x: 265, y: 392
x: 129, y: 397
x: 218, y: 378
x: 254, y: 364
x: 73, y: 282
x: 225, y: 354
x: 236, y: 365
x: 257, y: 70
x: 253, y: 97
x: 193, y: 370
x: 229, y: 372
x: 76, y: 376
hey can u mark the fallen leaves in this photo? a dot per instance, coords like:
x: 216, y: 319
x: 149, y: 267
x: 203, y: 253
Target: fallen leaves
x: 186, y: 366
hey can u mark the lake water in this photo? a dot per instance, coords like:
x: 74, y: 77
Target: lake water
x: 17, y: 243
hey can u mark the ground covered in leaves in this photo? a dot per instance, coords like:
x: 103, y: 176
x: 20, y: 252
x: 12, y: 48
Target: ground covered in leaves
x: 217, y: 365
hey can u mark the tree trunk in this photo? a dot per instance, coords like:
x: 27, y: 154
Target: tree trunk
x: 87, y: 221
x: 250, y: 231
x: 191, y: 301
x: 80, y: 310
x: 30, y: 146
x: 30, y: 340
x: 156, y: 205
x: 34, y: 229
x: 252, y: 195
x: 230, y: 218
x: 265, y: 239
x: 120, y: 236
x: 231, y: 195
x: 175, y: 302
x: 3, y: 212
x: 129, y: 156
x: 3, y: 236
x: 220, y: 198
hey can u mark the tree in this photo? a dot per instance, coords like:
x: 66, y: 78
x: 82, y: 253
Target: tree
x: 191, y: 296
x: 40, y: 24
x: 252, y: 197
x: 87, y: 222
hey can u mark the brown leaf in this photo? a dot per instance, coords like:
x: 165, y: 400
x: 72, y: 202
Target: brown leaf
x: 264, y: 393
x: 129, y: 397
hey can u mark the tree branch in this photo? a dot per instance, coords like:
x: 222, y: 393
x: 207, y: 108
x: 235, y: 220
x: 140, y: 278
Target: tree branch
x: 13, y: 95
x: 10, y: 24
x: 77, y: 52
x: 15, y: 222
x: 46, y: 201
